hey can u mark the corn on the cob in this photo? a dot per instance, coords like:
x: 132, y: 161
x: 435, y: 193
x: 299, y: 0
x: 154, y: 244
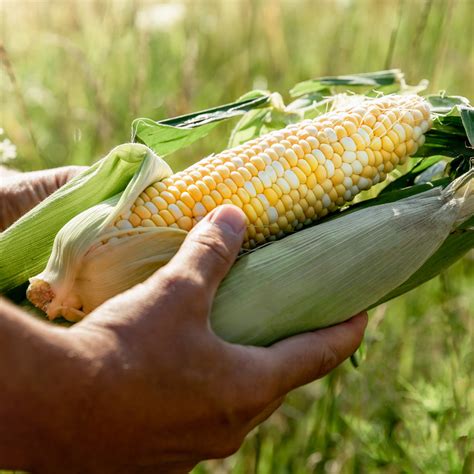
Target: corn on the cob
x: 288, y: 178
x: 282, y: 181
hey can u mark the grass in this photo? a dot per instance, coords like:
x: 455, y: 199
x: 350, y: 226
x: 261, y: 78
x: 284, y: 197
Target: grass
x: 76, y: 73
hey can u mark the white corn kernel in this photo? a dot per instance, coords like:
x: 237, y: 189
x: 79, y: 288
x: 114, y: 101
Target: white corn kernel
x: 357, y: 167
x: 347, y: 182
x: 265, y: 178
x: 199, y: 210
x: 249, y: 187
x: 332, y: 137
x: 283, y: 185
x: 348, y: 144
x: 292, y: 179
x: 151, y: 207
x: 122, y: 225
x: 363, y: 183
x: 263, y: 199
x: 363, y: 157
x: 326, y: 200
x: 279, y: 149
x: 400, y: 131
x: 270, y: 171
x: 278, y: 167
x: 265, y: 158
x: 238, y: 162
x: 416, y: 133
x: 346, y: 169
x: 348, y: 156
x: 312, y: 130
x: 272, y: 214
x: 364, y: 135
x: 424, y: 126
x: 329, y: 168
x: 318, y: 154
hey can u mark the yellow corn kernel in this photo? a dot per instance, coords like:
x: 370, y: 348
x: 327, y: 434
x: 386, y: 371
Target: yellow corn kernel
x: 208, y: 203
x: 158, y: 220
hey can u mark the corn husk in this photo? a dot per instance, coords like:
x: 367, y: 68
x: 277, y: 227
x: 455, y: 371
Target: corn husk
x: 68, y: 272
x: 320, y: 276
x: 26, y: 246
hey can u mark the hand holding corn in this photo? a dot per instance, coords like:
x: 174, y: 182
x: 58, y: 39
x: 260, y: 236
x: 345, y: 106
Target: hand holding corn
x: 282, y: 181
x: 143, y: 381
x: 20, y: 192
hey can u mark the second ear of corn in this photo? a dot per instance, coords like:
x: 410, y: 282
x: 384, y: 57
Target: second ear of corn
x: 288, y: 178
x: 282, y: 181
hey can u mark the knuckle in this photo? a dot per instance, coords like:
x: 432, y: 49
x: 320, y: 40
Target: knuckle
x: 174, y: 282
x: 185, y: 287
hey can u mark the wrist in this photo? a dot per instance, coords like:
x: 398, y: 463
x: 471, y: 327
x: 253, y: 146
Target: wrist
x: 8, y: 212
x: 45, y: 388
x: 81, y: 399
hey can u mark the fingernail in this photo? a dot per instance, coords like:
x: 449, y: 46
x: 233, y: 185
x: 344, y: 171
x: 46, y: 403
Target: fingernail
x: 230, y: 217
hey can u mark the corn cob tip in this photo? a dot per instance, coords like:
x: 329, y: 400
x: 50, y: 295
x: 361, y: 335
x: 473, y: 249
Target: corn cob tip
x: 40, y: 293
x: 43, y: 296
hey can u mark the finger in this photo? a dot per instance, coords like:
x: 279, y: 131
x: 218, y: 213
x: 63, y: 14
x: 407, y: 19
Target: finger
x: 301, y: 359
x: 210, y: 249
x: 8, y: 172
x: 22, y: 191
x: 49, y: 181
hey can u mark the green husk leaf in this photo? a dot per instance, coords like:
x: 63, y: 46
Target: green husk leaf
x: 26, y: 245
x: 249, y: 127
x: 454, y: 247
x: 167, y: 136
x: 445, y: 104
x: 258, y: 122
x: 467, y: 117
x: 452, y: 134
x: 368, y: 80
x: 319, y: 276
x: 409, y: 177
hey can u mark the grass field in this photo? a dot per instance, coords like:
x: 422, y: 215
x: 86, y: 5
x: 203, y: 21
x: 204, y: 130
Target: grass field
x: 74, y: 74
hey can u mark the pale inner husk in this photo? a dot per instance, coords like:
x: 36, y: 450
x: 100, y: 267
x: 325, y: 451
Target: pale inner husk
x: 323, y: 275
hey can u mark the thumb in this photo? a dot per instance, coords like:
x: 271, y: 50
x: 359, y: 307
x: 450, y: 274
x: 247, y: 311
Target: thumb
x: 211, y: 248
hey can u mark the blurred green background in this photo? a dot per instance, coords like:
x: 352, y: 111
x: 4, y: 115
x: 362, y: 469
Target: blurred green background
x: 74, y: 74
